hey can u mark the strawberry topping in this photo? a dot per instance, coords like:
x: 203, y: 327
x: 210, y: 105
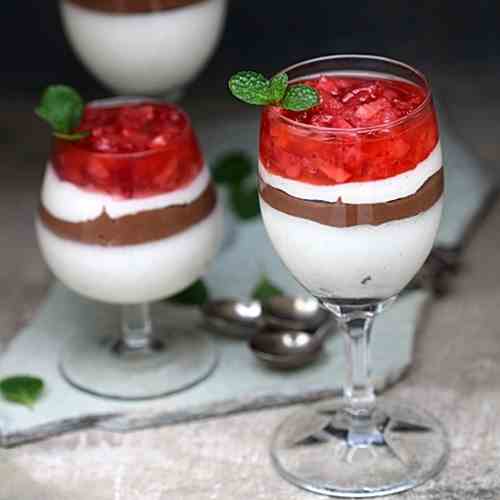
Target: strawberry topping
x: 132, y: 151
x: 350, y: 152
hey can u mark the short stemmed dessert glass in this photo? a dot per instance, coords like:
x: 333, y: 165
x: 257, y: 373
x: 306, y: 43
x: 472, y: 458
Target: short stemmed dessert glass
x: 355, y: 246
x: 130, y: 229
x: 144, y: 47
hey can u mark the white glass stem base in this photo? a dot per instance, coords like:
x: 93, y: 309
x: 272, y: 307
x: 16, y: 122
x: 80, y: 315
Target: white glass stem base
x: 313, y: 450
x: 174, y: 360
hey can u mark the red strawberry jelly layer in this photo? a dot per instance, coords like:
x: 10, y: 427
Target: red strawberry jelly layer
x: 292, y: 146
x: 132, y: 151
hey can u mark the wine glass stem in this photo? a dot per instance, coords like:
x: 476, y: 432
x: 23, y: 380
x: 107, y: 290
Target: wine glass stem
x: 358, y: 390
x: 137, y: 327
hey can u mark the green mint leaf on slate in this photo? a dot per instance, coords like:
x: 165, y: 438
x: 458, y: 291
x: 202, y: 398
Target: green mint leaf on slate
x: 62, y: 107
x: 265, y: 290
x: 300, y: 97
x: 245, y: 202
x: 23, y: 389
x: 196, y: 295
x: 232, y: 168
x: 278, y: 87
x: 250, y: 87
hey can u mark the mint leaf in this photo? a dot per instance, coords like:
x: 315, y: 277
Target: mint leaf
x: 300, y: 97
x: 196, y: 295
x: 232, y: 168
x: 245, y: 202
x: 278, y: 86
x: 250, y: 87
x: 22, y: 389
x: 62, y: 107
x: 265, y: 290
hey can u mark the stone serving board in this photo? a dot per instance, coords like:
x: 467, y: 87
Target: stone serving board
x: 246, y: 256
x: 64, y: 313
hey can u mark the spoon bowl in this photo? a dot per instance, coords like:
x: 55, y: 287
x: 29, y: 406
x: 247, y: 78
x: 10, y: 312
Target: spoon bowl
x: 293, y: 313
x: 233, y: 318
x: 289, y: 348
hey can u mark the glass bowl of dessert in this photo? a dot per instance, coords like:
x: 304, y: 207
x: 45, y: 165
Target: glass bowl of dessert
x: 351, y: 194
x: 129, y: 216
x: 144, y: 47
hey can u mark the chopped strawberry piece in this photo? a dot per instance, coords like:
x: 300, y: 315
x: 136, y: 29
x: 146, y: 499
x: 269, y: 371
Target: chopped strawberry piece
x: 334, y: 172
x: 329, y: 104
x: 328, y: 85
x: 135, y: 117
x: 339, y: 122
x: 367, y: 111
x: 97, y: 169
x: 160, y: 141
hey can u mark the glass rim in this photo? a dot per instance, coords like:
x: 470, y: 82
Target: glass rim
x: 115, y: 102
x: 371, y: 128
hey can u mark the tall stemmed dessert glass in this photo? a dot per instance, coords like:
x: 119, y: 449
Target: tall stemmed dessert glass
x: 351, y: 193
x: 144, y: 47
x: 129, y: 215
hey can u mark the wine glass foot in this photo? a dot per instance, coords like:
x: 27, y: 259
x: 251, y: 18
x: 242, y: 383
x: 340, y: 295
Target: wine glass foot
x: 174, y: 360
x: 315, y: 450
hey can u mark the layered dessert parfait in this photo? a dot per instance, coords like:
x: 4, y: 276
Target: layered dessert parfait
x: 145, y: 47
x: 128, y: 213
x: 351, y: 193
x: 351, y: 190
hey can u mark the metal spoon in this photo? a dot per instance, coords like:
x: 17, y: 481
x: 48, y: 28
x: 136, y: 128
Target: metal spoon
x: 293, y: 313
x: 242, y: 319
x: 234, y: 318
x: 289, y: 349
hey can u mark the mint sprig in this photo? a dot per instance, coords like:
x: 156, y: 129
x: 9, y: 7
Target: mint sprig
x: 22, y: 389
x: 195, y: 295
x: 245, y: 201
x: 278, y: 87
x: 62, y: 108
x: 299, y: 98
x: 250, y: 87
x: 266, y: 290
x: 254, y: 88
x: 232, y: 168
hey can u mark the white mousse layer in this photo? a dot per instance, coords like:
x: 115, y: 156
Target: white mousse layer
x: 135, y: 273
x: 353, y: 262
x: 73, y: 204
x: 148, y: 53
x: 379, y: 191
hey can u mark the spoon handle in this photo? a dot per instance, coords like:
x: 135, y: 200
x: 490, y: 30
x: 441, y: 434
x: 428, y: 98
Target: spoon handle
x: 325, y: 330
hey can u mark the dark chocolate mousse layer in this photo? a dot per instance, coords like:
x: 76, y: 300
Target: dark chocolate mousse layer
x: 133, y: 6
x: 340, y: 214
x: 142, y: 227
